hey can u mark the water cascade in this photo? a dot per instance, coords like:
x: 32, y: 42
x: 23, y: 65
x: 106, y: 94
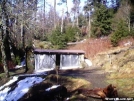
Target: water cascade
x: 69, y: 61
x: 48, y: 61
x: 44, y: 62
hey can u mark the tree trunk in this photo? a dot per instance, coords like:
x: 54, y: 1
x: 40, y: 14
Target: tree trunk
x: 62, y: 20
x: 4, y: 54
x: 44, y: 14
x: 4, y: 60
x: 22, y: 29
x: 5, y: 49
x: 77, y: 18
x: 26, y: 59
x: 129, y: 25
x: 29, y: 63
x: 74, y: 20
x: 54, y: 13
x: 67, y: 13
x: 22, y: 35
x: 89, y: 26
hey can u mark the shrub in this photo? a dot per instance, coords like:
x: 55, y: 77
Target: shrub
x: 71, y: 33
x: 17, y: 60
x: 57, y: 39
x: 120, y: 33
x: 132, y: 32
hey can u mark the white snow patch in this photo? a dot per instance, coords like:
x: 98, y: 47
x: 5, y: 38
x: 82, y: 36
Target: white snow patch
x: 40, y: 73
x: 18, y: 66
x: 35, y: 74
x: 129, y: 43
x: 43, y: 70
x: 69, y: 67
x: 15, y: 78
x: 68, y: 99
x: 3, y: 94
x: 88, y: 62
x: 21, y: 88
x: 54, y: 86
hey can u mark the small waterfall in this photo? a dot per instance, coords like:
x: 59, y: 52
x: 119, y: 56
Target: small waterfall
x: 69, y: 61
x: 44, y: 62
x: 48, y: 61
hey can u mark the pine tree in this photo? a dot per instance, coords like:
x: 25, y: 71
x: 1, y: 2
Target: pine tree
x: 120, y: 33
x: 102, y: 19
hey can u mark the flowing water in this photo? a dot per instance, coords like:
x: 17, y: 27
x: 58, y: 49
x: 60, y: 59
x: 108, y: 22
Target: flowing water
x: 43, y: 61
x: 48, y: 62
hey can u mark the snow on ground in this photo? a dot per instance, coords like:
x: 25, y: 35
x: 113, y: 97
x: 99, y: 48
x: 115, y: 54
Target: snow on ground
x: 42, y: 70
x: 35, y: 74
x: 21, y: 88
x: 88, y: 62
x: 69, y: 67
x: 53, y: 87
x: 15, y: 78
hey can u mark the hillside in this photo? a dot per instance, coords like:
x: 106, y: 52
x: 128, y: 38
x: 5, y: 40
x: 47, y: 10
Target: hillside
x: 92, y: 46
x: 116, y: 61
x: 114, y: 66
x: 119, y: 64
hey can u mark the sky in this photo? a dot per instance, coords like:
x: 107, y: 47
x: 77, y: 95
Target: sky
x: 63, y: 6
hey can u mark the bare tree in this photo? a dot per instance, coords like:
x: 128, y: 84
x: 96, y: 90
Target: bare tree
x: 88, y: 9
x: 21, y: 29
x: 62, y: 20
x: 5, y: 36
x: 75, y: 10
x: 124, y: 12
x: 54, y: 13
x: 67, y: 11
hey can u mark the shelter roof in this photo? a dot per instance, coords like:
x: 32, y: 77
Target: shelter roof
x: 44, y: 51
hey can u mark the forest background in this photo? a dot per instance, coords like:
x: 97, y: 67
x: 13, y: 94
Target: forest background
x: 24, y: 22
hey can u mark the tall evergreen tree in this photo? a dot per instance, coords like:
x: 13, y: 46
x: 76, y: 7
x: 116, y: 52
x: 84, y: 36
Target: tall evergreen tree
x: 102, y: 20
x: 120, y: 32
